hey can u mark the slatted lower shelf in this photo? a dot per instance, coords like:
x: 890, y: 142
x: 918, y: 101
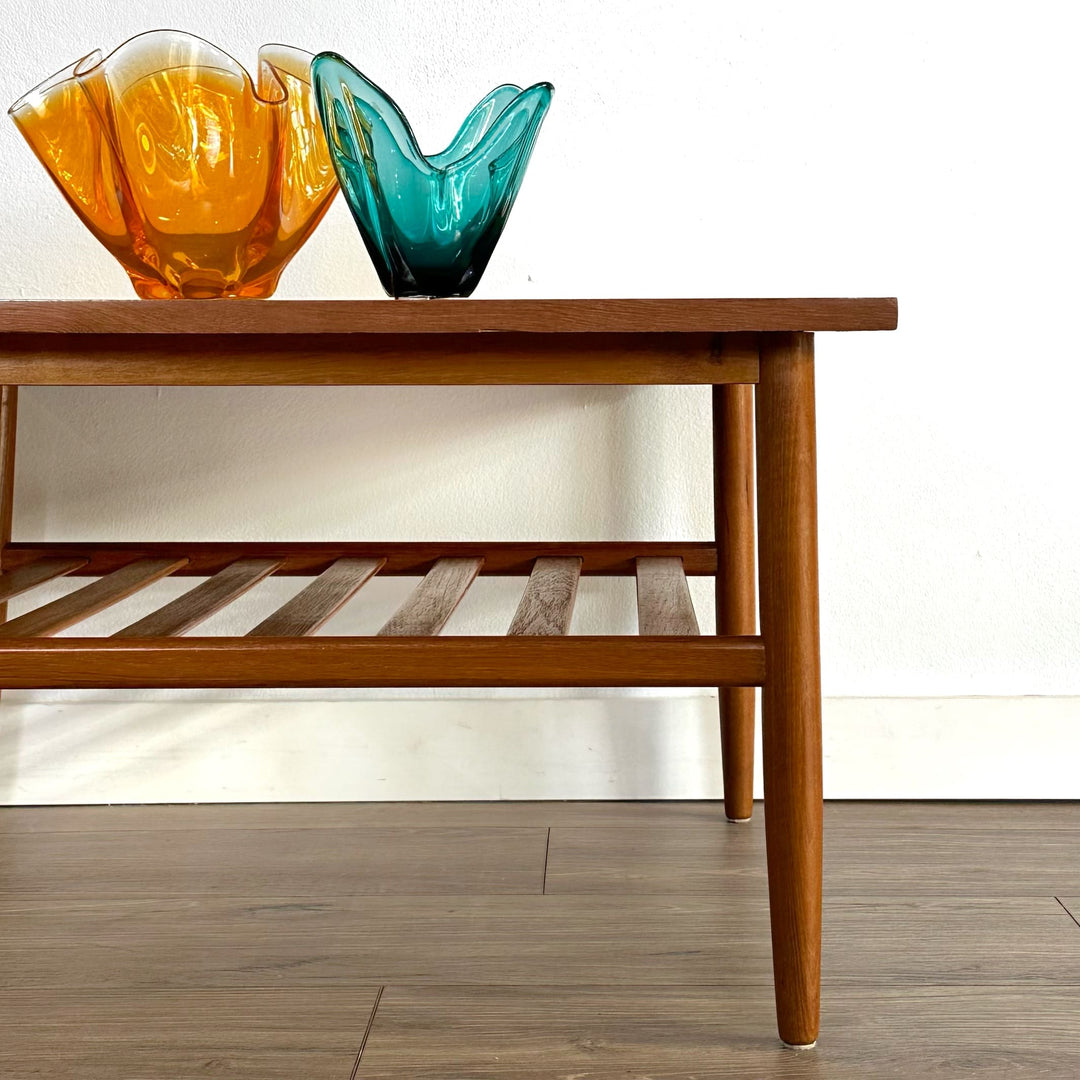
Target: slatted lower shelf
x: 283, y: 650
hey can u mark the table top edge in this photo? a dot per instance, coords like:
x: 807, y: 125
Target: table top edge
x: 551, y: 316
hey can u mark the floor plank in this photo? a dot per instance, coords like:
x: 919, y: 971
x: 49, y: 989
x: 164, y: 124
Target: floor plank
x: 936, y: 816
x: 297, y: 816
x: 140, y: 943
x: 664, y: 1033
x: 270, y: 862
x: 569, y: 940
x: 939, y: 815
x: 118, y: 1035
x: 859, y: 860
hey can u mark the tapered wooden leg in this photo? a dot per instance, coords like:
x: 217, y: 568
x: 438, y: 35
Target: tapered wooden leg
x: 9, y: 412
x: 791, y: 695
x: 733, y: 502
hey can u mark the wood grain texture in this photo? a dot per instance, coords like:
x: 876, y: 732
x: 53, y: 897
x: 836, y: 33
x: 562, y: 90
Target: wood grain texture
x: 77, y: 606
x: 888, y: 821
x: 791, y: 696
x: 938, y: 815
x: 309, y: 863
x: 196, y: 606
x: 518, y: 984
x: 333, y: 940
x: 514, y: 559
x: 539, y: 1033
x: 663, y: 598
x: 90, y: 663
x: 368, y: 359
x: 898, y: 860
x: 736, y: 588
x: 547, y: 605
x: 29, y: 575
x: 631, y: 815
x: 429, y: 606
x: 634, y: 316
x: 318, y: 602
x: 273, y: 1034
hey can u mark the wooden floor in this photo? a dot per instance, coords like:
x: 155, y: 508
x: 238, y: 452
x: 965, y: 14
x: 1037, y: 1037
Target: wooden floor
x: 527, y: 941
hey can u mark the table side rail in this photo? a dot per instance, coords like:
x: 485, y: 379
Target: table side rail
x: 585, y: 661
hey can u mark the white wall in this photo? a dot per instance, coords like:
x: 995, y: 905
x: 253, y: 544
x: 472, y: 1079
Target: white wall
x: 693, y: 148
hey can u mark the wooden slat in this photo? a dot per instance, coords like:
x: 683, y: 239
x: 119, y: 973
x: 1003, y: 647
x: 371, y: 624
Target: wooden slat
x: 204, y: 600
x: 432, y: 602
x: 29, y: 575
x: 547, y: 605
x: 369, y: 359
x: 402, y: 559
x: 341, y: 661
x: 447, y: 316
x: 87, y: 601
x: 663, y: 598
x: 314, y: 605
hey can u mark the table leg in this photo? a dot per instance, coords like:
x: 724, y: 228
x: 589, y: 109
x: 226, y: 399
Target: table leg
x: 9, y: 412
x: 791, y: 695
x: 733, y: 502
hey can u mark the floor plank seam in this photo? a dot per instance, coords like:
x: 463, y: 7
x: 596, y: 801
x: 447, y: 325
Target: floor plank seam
x: 1067, y: 911
x: 367, y: 1033
x: 547, y: 855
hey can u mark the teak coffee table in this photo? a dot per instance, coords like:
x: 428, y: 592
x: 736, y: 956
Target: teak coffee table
x: 731, y: 345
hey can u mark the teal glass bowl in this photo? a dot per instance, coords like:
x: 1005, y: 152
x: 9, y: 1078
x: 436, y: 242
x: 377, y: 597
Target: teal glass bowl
x: 429, y: 224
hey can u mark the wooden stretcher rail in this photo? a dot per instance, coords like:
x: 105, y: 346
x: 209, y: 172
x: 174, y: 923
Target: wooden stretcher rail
x: 307, y: 559
x: 288, y: 359
x: 108, y: 663
x: 617, y: 316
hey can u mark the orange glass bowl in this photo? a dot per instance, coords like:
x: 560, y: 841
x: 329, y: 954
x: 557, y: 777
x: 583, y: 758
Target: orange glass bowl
x: 200, y: 183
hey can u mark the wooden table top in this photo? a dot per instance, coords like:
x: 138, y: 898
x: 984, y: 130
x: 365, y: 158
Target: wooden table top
x: 444, y: 316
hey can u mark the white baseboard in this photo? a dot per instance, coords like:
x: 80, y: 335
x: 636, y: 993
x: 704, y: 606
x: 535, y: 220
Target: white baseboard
x: 606, y: 747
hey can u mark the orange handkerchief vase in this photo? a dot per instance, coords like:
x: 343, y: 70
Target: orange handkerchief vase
x: 201, y: 183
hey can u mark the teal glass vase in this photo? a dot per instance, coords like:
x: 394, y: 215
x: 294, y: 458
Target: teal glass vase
x: 429, y: 224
